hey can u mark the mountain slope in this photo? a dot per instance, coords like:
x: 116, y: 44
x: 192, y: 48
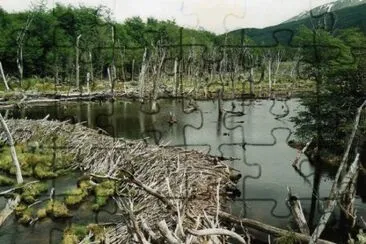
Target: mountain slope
x: 344, y: 18
x: 333, y: 6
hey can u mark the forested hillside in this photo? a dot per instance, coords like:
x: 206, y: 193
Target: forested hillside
x: 352, y: 17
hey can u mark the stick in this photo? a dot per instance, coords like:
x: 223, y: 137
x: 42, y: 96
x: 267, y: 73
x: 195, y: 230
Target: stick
x: 18, y: 187
x: 215, y: 231
x: 164, y: 230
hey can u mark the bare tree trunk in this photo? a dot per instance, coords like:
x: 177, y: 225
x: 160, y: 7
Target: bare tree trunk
x: 20, y: 60
x: 142, y: 75
x: 77, y: 62
x: 132, y: 69
x: 156, y: 83
x: 91, y: 66
x: 87, y: 83
x: 176, y: 77
x: 110, y: 78
x: 12, y: 151
x: 269, y: 74
x: 4, y: 78
x: 251, y: 81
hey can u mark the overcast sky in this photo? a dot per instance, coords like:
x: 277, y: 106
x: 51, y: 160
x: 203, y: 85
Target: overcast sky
x: 214, y: 15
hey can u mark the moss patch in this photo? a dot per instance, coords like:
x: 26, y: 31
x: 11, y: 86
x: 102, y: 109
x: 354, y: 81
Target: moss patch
x: 98, y: 232
x: 57, y: 209
x: 41, y: 213
x: 75, y: 196
x: 32, y: 191
x: 35, y: 160
x: 74, y: 234
x: 103, y: 192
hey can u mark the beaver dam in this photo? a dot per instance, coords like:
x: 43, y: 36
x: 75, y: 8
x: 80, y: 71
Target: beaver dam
x: 164, y: 194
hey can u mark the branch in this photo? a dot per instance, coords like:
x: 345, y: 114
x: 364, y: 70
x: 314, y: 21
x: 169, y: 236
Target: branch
x: 164, y: 230
x: 17, y: 187
x: 215, y: 231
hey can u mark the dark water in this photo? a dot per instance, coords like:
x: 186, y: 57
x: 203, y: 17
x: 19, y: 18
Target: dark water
x: 265, y: 160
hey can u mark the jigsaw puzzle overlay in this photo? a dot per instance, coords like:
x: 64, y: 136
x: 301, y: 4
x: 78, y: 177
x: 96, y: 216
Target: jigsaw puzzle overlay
x: 252, y: 134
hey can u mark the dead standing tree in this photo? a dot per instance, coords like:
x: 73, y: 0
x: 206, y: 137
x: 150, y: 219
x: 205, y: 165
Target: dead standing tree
x: 157, y: 61
x: 20, y: 42
x: 3, y: 76
x: 144, y: 66
x: 77, y: 67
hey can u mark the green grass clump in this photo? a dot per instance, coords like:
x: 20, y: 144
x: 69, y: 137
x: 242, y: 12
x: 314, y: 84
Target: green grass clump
x: 6, y: 181
x: 35, y: 161
x: 74, y: 234
x: 44, y: 172
x: 26, y: 217
x: 41, y: 213
x: 103, y: 192
x: 98, y: 232
x: 57, y: 209
x: 32, y: 191
x: 75, y: 196
x: 20, y: 209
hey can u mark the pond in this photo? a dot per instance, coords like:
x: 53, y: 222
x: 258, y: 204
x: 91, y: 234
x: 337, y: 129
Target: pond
x: 254, y: 134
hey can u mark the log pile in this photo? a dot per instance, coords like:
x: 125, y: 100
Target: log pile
x: 164, y: 193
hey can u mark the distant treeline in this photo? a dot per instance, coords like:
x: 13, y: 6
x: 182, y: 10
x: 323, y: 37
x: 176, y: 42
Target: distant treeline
x: 49, y: 43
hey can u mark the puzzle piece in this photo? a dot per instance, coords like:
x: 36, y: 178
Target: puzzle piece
x: 249, y: 133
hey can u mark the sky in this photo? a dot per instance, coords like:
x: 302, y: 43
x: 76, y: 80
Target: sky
x: 217, y: 16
